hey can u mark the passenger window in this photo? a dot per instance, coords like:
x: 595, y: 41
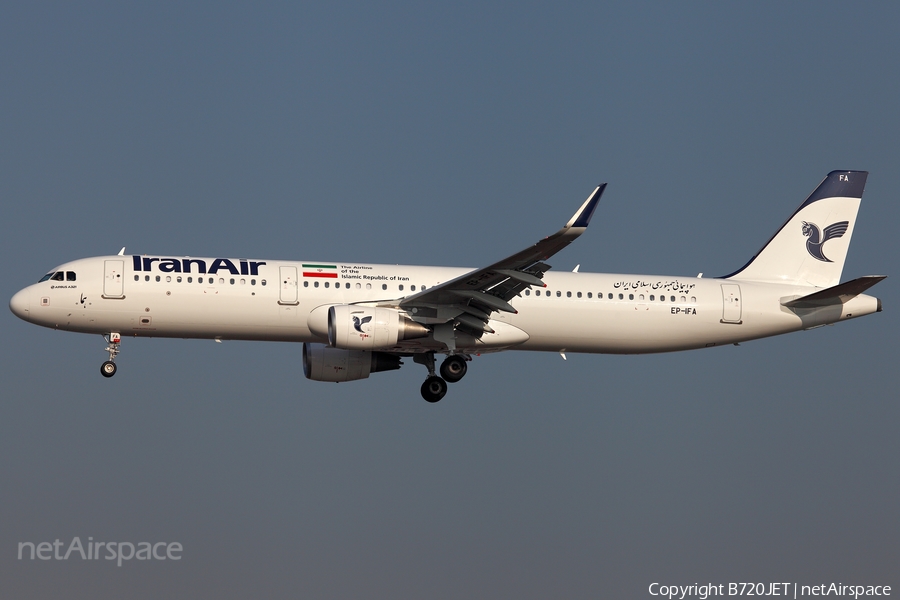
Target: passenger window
x: 641, y: 297
x: 401, y: 287
x: 70, y: 275
x: 384, y: 286
x: 326, y: 284
x: 136, y: 278
x: 244, y: 282
x: 347, y: 285
x: 621, y: 297
x: 578, y: 294
x: 631, y: 296
x: 231, y: 281
x: 168, y: 278
x: 693, y: 298
x: 559, y: 294
x: 315, y: 284
x: 157, y: 278
x: 672, y: 298
x: 262, y: 282
x: 422, y: 288
x: 412, y: 288
x: 252, y: 282
x: 589, y: 295
x: 190, y: 280
x: 146, y: 278
x: 178, y: 279
x: 358, y: 286
x: 652, y: 297
x: 568, y: 294
x: 368, y: 286
x: 610, y: 297
x: 527, y: 292
x: 683, y: 298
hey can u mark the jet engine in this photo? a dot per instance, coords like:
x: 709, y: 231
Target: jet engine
x: 366, y: 328
x: 323, y: 363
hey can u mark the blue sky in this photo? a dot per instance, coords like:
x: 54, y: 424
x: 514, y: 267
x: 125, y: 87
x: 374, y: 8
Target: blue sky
x: 447, y: 135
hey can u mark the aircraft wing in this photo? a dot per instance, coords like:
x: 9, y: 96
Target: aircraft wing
x: 480, y: 292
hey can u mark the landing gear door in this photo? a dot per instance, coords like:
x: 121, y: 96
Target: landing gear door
x: 288, y: 283
x: 113, y: 278
x: 731, y: 303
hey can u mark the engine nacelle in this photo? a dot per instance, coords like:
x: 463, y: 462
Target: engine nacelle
x: 367, y: 328
x: 323, y: 363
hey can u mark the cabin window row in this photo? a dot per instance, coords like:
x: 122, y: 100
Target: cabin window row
x: 611, y: 296
x: 232, y: 281
x: 206, y: 280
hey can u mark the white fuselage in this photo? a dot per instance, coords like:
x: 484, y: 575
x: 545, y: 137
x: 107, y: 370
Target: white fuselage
x: 273, y: 300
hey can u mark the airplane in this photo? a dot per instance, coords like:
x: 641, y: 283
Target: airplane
x: 355, y: 319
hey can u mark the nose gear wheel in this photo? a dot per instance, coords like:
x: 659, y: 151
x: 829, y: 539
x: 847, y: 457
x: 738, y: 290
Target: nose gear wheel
x: 108, y: 368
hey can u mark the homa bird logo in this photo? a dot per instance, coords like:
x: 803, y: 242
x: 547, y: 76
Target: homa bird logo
x: 358, y: 323
x: 817, y: 239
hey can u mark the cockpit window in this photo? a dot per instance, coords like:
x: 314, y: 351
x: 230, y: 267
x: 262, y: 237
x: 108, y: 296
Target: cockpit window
x: 46, y: 277
x: 58, y: 276
x: 70, y: 275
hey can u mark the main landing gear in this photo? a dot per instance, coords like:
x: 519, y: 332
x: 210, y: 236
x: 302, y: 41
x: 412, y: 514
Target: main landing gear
x: 108, y: 369
x: 452, y: 370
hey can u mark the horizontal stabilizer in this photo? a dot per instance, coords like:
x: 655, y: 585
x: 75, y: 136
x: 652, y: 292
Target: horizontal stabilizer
x: 838, y: 294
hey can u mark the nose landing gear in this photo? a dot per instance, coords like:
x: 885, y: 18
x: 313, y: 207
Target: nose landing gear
x: 452, y: 370
x: 108, y: 368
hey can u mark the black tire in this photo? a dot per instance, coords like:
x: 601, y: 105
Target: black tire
x: 453, y: 368
x: 434, y: 389
x: 108, y: 369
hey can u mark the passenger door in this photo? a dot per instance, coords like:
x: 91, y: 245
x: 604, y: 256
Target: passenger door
x: 113, y: 279
x: 731, y: 303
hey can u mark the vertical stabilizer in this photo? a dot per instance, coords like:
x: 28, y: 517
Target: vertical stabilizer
x: 811, y: 246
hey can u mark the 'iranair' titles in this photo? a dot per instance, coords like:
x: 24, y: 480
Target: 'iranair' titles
x: 187, y: 265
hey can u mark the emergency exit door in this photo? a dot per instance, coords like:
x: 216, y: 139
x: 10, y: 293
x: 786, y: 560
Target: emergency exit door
x: 288, y: 283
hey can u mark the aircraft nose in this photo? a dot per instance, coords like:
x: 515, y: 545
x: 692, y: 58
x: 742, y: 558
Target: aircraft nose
x: 20, y: 304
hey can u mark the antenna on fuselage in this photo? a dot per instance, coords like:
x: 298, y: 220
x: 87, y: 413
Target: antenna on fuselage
x: 122, y: 251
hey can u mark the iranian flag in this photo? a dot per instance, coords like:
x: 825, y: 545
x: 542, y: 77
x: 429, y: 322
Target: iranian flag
x: 327, y: 271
